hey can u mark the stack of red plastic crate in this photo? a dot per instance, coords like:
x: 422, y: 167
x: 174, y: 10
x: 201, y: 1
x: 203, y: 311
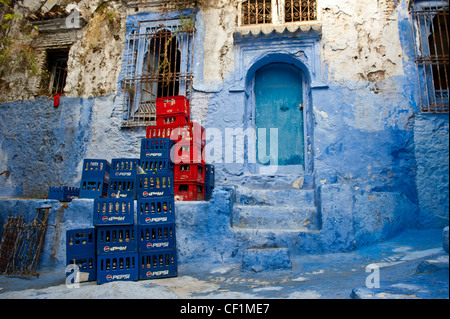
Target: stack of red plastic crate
x: 173, y: 121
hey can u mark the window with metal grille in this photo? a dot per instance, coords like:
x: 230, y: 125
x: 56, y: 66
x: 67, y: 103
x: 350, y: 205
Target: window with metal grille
x: 430, y: 21
x: 256, y: 11
x: 157, y: 63
x: 57, y: 68
x: 299, y: 10
x: 277, y: 11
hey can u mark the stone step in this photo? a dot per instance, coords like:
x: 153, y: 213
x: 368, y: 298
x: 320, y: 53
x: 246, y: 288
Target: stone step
x: 260, y: 259
x: 275, y: 218
x: 279, y: 181
x: 273, y: 197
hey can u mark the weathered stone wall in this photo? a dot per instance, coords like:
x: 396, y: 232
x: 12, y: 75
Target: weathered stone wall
x: 44, y: 146
x: 41, y: 146
x: 367, y: 137
x: 431, y: 138
x: 95, y: 49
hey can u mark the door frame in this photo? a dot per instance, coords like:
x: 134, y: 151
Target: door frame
x: 250, y: 112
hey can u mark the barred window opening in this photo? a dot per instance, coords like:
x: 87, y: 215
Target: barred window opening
x: 256, y: 11
x: 157, y: 63
x: 279, y: 11
x: 432, y: 56
x: 300, y: 10
x: 160, y: 67
x: 57, y: 68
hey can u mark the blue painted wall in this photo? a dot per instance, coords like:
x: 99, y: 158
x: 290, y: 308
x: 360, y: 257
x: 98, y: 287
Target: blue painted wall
x: 41, y: 146
x: 378, y: 165
x: 431, y: 140
x: 372, y: 137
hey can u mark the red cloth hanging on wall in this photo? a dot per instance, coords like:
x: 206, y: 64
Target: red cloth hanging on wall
x: 56, y: 100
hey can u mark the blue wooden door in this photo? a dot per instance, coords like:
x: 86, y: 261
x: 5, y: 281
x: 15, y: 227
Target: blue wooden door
x: 278, y: 100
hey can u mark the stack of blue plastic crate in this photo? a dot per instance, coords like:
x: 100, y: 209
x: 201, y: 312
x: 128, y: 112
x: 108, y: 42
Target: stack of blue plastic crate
x: 94, y: 178
x: 123, y: 177
x: 156, y: 211
x: 116, y: 232
x: 63, y: 193
x: 81, y: 254
x: 156, y: 180
x: 131, y: 240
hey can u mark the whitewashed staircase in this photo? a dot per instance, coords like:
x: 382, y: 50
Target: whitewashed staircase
x: 286, y: 204
x: 270, y: 212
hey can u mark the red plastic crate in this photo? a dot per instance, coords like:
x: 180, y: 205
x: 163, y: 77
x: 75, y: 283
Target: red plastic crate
x: 159, y: 131
x: 172, y: 104
x: 190, y: 132
x: 189, y: 191
x: 187, y: 152
x: 172, y: 119
x: 189, y: 173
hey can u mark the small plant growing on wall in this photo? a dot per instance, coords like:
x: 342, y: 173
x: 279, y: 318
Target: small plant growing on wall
x: 18, y: 56
x: 187, y: 24
x: 105, y: 19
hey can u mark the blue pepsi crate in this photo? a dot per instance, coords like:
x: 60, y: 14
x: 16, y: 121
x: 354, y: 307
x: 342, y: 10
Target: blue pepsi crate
x: 113, y: 211
x: 119, y: 267
x: 209, y: 181
x: 209, y: 175
x: 156, y: 148
x: 80, y: 242
x: 93, y: 187
x: 155, y: 210
x: 156, y: 166
x: 122, y: 187
x: 116, y: 240
x: 208, y: 192
x: 63, y: 193
x: 95, y: 168
x: 151, y: 185
x: 124, y: 167
x: 87, y: 267
x: 156, y: 237
x: 158, y: 264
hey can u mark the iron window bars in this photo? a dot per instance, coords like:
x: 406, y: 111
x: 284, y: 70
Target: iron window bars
x: 158, y: 61
x: 57, y: 68
x: 256, y: 11
x: 300, y: 10
x: 262, y: 11
x: 431, y: 39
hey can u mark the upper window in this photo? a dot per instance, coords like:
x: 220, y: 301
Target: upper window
x: 430, y: 20
x: 300, y: 10
x: 157, y: 63
x: 57, y: 70
x: 277, y: 11
x: 256, y: 11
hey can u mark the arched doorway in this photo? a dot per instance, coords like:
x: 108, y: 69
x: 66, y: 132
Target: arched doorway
x: 278, y: 104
